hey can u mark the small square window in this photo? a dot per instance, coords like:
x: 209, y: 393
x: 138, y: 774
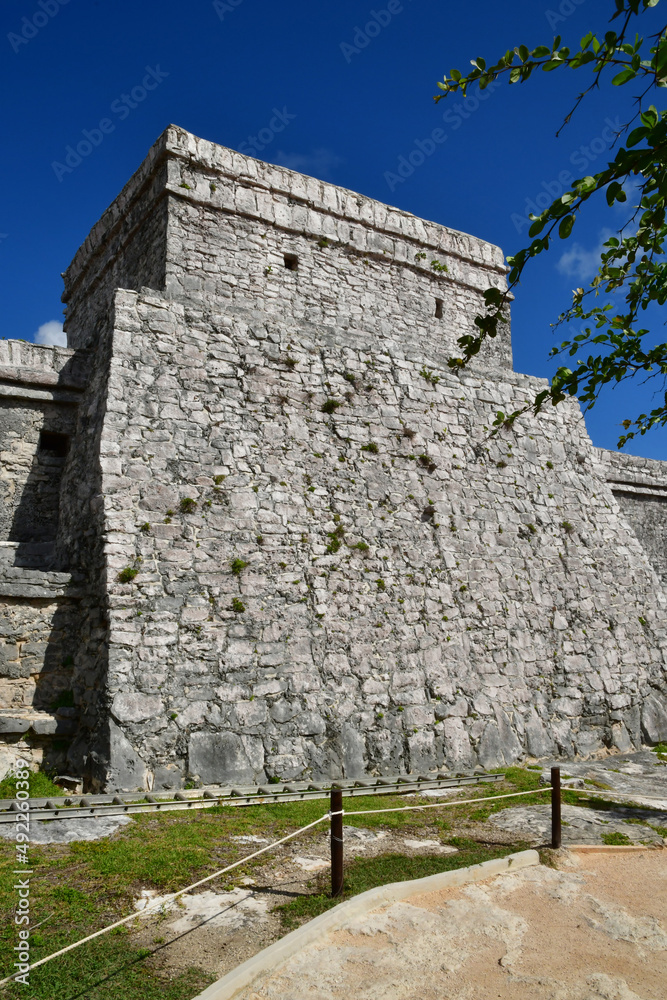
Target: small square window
x: 56, y: 444
x: 291, y: 261
x: 438, y: 308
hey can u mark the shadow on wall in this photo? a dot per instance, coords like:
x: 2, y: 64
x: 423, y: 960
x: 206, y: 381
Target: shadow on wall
x: 34, y: 526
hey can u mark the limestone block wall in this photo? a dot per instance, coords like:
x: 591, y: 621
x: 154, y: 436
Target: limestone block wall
x: 338, y: 567
x: 40, y: 390
x: 640, y: 487
x: 287, y: 542
x: 198, y: 220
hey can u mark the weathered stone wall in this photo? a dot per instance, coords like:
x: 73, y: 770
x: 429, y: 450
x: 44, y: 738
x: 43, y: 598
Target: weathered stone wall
x: 409, y: 589
x: 640, y: 487
x: 40, y: 389
x: 298, y: 548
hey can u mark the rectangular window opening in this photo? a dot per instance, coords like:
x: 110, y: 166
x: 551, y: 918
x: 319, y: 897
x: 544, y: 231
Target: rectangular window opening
x: 291, y: 261
x: 56, y: 444
x: 438, y: 308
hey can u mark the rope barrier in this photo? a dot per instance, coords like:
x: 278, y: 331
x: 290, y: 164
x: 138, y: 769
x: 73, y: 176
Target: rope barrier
x: 444, y: 805
x: 163, y: 902
x: 290, y: 836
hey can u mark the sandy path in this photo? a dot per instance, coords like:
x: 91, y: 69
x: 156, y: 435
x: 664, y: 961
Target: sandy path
x: 594, y: 930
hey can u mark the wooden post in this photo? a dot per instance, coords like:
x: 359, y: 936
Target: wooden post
x: 556, y: 834
x: 336, y: 842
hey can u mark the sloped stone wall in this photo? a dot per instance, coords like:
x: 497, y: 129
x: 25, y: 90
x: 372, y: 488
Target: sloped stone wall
x: 298, y: 547
x: 378, y: 584
x: 640, y: 487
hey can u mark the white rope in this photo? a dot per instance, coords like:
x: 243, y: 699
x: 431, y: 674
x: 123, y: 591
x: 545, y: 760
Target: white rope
x: 162, y: 902
x: 168, y: 899
x: 444, y: 805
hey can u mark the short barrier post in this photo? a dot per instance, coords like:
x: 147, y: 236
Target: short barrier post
x: 556, y: 834
x: 336, y: 842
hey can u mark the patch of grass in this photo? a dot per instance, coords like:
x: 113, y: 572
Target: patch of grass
x: 41, y: 786
x: 368, y: 873
x: 127, y: 575
x: 187, y: 505
x: 616, y: 838
x: 331, y: 405
x: 522, y: 778
x: 104, y: 970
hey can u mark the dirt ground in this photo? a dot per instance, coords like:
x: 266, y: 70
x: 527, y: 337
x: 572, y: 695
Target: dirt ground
x: 216, y: 931
x: 595, y: 928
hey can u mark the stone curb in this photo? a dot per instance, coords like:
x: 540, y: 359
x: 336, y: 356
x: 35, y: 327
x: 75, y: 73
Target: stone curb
x: 273, y: 956
x: 612, y: 848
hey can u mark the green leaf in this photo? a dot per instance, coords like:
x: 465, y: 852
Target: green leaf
x: 523, y: 53
x: 565, y: 227
x: 636, y: 136
x: 626, y: 74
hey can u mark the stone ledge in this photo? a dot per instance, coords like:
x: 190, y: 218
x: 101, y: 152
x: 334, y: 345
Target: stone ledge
x: 55, y: 395
x: 41, y: 723
x: 16, y: 581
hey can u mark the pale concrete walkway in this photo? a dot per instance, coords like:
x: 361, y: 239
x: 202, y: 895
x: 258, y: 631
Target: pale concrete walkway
x: 594, y: 930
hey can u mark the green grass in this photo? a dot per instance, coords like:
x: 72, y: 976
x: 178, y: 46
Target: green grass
x: 81, y: 887
x: 368, y: 873
x: 41, y: 786
x: 616, y: 838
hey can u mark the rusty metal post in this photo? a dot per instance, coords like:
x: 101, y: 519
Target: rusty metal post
x: 556, y: 834
x: 336, y: 842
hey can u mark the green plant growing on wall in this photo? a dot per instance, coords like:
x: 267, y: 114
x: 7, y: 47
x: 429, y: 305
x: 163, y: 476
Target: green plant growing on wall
x: 187, y: 505
x: 371, y: 447
x: 335, y: 539
x: 237, y: 566
x: 427, y: 374
x: 331, y: 406
x: 438, y: 267
x: 237, y: 606
x: 145, y: 527
x: 127, y: 575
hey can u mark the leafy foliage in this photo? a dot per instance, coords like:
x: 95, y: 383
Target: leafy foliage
x: 633, y: 270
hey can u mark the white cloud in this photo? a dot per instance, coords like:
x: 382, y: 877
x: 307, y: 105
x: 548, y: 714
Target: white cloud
x: 319, y: 163
x: 51, y: 334
x: 580, y: 263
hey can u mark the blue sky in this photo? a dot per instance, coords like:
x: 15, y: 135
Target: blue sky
x: 354, y: 101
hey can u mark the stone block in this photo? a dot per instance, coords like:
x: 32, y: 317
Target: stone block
x: 654, y: 719
x: 220, y: 758
x: 135, y: 707
x: 126, y: 771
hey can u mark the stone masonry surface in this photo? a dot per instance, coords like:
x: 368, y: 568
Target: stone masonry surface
x: 293, y: 545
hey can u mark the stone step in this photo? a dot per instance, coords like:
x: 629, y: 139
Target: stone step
x: 41, y: 723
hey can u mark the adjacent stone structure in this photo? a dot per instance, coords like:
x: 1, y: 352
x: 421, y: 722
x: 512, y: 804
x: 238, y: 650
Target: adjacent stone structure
x: 254, y: 527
